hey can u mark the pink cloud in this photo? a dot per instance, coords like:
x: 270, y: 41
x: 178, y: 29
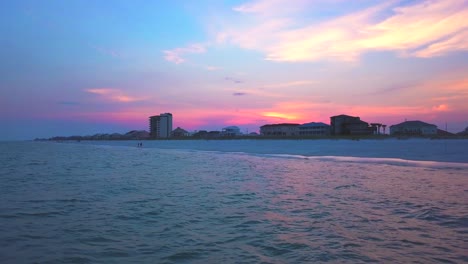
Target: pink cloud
x: 290, y: 84
x: 101, y: 91
x: 176, y: 55
x: 458, y: 41
x: 430, y: 100
x: 114, y: 95
x: 423, y: 29
x: 441, y: 107
x: 272, y: 6
x: 212, y: 68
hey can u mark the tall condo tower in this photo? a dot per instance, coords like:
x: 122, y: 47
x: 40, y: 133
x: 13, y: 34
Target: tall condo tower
x: 160, y: 126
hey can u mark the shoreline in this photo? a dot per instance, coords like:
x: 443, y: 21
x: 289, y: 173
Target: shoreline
x: 453, y: 150
x: 221, y: 138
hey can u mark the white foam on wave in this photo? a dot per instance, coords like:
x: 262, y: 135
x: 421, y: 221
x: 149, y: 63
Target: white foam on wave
x: 389, y: 161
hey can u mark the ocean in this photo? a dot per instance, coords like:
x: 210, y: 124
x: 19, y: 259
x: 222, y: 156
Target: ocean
x: 234, y: 201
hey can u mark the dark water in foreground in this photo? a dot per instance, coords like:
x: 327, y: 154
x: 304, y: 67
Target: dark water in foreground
x: 75, y: 203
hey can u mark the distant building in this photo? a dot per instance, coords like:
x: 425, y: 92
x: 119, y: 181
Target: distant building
x: 464, y: 132
x: 376, y: 128
x: 200, y: 134
x: 231, y: 131
x: 349, y: 125
x: 413, y: 128
x: 180, y: 132
x: 160, y: 126
x: 136, y: 134
x: 444, y: 133
x: 285, y: 129
x: 115, y: 136
x: 206, y: 134
x: 213, y: 134
x: 314, y: 129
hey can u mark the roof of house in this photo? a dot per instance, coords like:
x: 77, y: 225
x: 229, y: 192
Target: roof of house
x: 314, y: 124
x: 441, y: 132
x: 464, y: 132
x: 342, y: 115
x: 413, y: 123
x: 231, y: 127
x: 179, y: 130
x: 162, y: 114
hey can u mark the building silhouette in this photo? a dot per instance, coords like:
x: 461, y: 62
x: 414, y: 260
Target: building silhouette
x: 231, y: 131
x: 416, y: 127
x: 314, y: 129
x: 284, y: 129
x: 180, y: 132
x: 349, y: 125
x: 160, y: 126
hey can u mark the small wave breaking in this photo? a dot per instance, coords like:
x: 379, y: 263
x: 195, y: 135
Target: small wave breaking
x: 388, y: 161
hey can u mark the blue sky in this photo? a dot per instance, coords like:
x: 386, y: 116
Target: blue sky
x: 83, y: 67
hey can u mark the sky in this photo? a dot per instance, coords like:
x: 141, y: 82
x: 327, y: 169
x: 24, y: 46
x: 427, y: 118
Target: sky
x: 87, y: 67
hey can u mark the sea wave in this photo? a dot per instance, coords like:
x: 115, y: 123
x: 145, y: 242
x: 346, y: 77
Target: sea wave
x: 106, y: 204
x: 386, y: 161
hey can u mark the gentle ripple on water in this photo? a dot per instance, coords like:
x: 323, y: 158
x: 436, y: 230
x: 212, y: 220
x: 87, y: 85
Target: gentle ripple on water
x: 67, y: 203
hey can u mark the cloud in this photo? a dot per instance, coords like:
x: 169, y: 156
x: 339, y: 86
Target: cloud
x: 234, y: 80
x: 239, y: 93
x: 395, y: 88
x: 101, y: 91
x: 114, y: 95
x: 414, y: 29
x: 441, y: 108
x: 176, y: 55
x: 271, y: 6
x: 289, y: 84
x: 256, y: 6
x: 452, y: 43
x: 418, y: 29
x: 278, y: 115
x: 212, y: 68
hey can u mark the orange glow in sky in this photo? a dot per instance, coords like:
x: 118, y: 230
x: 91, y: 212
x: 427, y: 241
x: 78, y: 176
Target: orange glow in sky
x: 248, y: 63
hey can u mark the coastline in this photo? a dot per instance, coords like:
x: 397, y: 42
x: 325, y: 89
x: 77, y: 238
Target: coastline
x: 359, y: 137
x: 418, y: 149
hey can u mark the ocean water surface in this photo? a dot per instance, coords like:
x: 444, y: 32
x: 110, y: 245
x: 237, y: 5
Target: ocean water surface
x: 239, y: 201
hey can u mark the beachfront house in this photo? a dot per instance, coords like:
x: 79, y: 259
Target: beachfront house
x: 349, y: 125
x: 413, y: 128
x: 464, y: 132
x: 314, y: 129
x: 231, y: 131
x: 284, y: 129
x: 180, y: 132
